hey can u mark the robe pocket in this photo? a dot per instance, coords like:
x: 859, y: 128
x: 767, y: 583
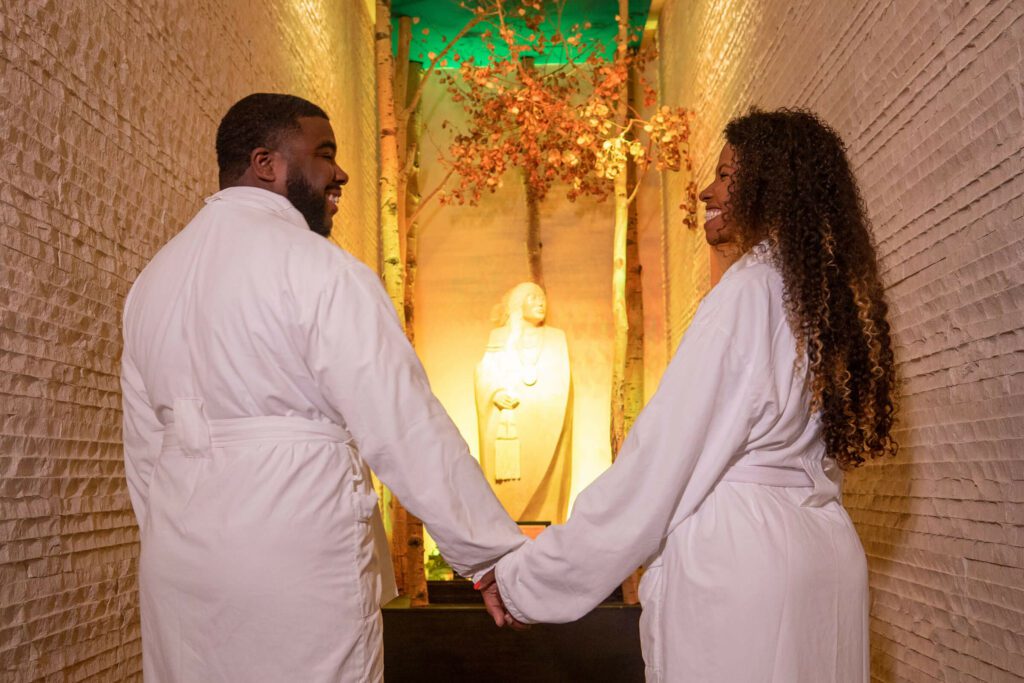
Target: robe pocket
x: 652, y: 638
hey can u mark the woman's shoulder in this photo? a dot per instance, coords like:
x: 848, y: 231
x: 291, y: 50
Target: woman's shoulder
x: 749, y: 281
x: 748, y: 297
x: 756, y: 266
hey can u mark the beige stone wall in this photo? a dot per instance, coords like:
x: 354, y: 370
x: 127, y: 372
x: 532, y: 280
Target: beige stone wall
x: 107, y: 113
x: 928, y: 96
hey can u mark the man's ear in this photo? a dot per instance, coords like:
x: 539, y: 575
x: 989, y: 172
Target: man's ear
x: 261, y: 160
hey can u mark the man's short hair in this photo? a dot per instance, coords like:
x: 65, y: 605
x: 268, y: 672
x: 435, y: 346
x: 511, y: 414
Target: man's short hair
x: 257, y: 120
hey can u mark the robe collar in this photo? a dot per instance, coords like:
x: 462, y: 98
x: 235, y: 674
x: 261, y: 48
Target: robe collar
x: 761, y: 252
x: 258, y: 198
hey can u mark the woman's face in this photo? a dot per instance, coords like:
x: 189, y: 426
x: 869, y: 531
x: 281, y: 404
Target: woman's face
x: 718, y: 228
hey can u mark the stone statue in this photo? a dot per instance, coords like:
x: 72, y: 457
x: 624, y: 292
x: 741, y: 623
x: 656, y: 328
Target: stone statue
x: 524, y: 409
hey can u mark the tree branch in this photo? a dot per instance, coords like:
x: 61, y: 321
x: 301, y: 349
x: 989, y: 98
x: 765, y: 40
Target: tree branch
x: 437, y: 58
x: 426, y: 199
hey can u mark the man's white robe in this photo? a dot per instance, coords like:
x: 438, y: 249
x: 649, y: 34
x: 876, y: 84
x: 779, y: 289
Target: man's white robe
x: 263, y: 369
x: 754, y: 571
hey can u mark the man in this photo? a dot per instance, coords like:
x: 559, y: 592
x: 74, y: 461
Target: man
x: 263, y: 370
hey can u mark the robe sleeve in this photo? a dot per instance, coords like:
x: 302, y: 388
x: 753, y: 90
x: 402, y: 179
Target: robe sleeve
x: 142, y: 434
x: 368, y: 372
x: 694, y: 427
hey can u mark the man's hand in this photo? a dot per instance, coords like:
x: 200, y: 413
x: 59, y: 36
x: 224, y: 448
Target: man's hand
x: 488, y: 587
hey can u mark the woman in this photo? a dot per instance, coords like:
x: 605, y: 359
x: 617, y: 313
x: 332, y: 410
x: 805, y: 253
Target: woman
x: 727, y: 488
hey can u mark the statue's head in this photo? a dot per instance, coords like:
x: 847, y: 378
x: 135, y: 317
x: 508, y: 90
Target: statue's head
x: 526, y: 301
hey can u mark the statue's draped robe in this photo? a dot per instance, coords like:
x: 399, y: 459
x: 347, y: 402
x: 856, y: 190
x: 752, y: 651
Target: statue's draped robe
x: 263, y: 370
x: 754, y: 571
x: 542, y: 423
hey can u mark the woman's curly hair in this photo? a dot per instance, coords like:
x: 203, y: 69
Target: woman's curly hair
x: 793, y: 185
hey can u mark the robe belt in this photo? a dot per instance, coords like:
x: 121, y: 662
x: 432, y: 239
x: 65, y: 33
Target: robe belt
x: 768, y: 476
x: 195, y: 434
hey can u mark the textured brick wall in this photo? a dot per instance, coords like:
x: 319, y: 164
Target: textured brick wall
x: 928, y: 96
x: 107, y: 113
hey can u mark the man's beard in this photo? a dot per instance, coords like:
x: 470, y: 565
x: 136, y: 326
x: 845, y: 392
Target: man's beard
x: 311, y: 205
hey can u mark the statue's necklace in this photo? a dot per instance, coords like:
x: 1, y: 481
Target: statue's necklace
x: 528, y: 352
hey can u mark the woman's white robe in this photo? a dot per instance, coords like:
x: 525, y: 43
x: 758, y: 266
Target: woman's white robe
x: 744, y: 581
x: 257, y: 357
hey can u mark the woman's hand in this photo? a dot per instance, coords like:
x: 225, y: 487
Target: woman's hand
x: 488, y: 587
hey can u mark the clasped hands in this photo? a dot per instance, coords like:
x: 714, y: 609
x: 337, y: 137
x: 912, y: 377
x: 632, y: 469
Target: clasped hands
x: 488, y: 587
x: 505, y: 401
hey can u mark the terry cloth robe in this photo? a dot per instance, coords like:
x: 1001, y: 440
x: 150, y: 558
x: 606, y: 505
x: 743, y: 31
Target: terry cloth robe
x: 754, y: 571
x: 263, y: 370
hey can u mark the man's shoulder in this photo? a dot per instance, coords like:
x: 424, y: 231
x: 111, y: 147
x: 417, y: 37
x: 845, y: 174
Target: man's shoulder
x: 233, y: 235
x: 256, y: 229
x: 318, y: 267
x: 325, y: 258
x: 167, y: 255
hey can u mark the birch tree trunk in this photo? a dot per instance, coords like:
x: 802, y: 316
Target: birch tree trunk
x: 620, y: 313
x: 401, y: 95
x: 633, y: 375
x: 414, y: 131
x: 620, y: 317
x: 633, y: 393
x: 534, y: 245
x: 391, y: 269
x: 406, y: 530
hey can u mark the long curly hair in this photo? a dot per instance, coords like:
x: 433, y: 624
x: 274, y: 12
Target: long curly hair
x: 793, y: 186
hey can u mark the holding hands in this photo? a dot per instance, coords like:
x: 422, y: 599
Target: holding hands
x: 488, y: 587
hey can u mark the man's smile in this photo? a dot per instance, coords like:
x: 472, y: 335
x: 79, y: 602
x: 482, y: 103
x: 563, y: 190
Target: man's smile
x: 333, y: 195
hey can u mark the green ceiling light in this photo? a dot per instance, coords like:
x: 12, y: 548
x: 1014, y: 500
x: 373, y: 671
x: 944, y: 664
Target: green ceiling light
x: 440, y: 20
